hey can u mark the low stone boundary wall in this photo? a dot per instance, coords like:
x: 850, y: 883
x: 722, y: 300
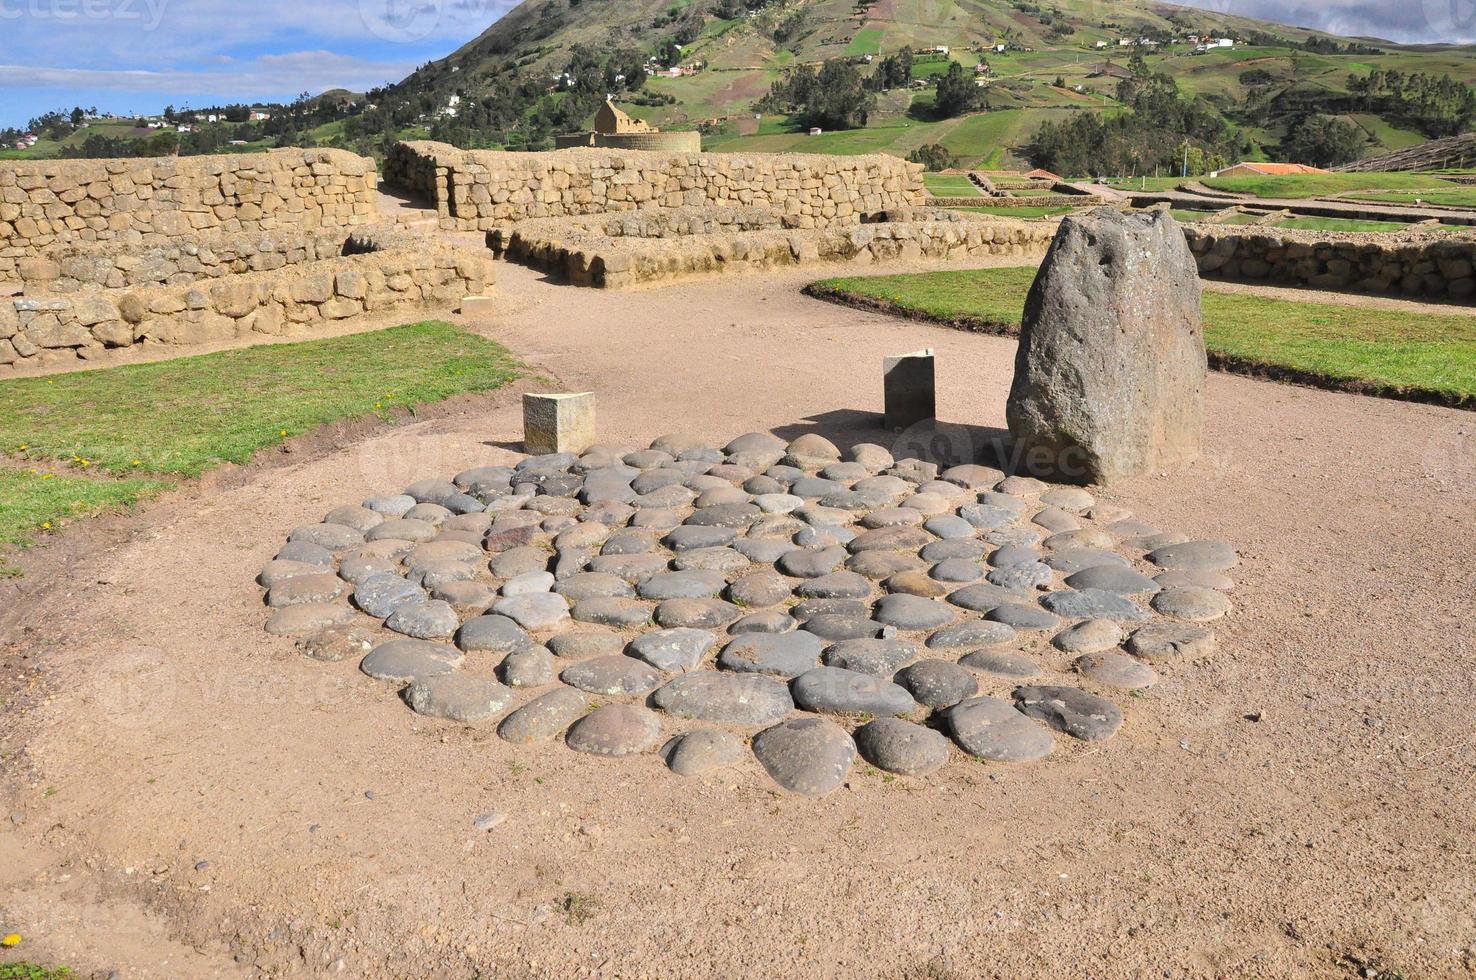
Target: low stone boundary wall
x: 49, y: 203
x: 390, y: 272
x: 478, y: 190
x: 1429, y: 266
x: 184, y: 260
x: 599, y: 252
x: 1049, y: 201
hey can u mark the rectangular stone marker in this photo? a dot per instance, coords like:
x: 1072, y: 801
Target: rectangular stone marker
x: 558, y: 423
x: 478, y: 305
x: 908, y: 382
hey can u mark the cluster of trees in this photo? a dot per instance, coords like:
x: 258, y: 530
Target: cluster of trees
x: 831, y: 96
x: 1438, y: 105
x: 958, y: 92
x: 1158, y: 130
x: 893, y: 71
x: 1323, y: 141
x: 933, y: 156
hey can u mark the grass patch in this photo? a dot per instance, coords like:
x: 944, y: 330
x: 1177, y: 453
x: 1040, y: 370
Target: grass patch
x: 1385, y: 352
x: 950, y: 185
x: 1319, y: 185
x: 145, y: 425
x: 33, y: 971
x: 1019, y: 212
x: 1340, y: 224
x: 185, y: 416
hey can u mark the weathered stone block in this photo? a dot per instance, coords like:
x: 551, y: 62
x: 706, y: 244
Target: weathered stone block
x: 909, y: 389
x: 1110, y: 372
x: 558, y: 423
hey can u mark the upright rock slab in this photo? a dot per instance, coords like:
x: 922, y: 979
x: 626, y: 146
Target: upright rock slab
x: 1110, y: 373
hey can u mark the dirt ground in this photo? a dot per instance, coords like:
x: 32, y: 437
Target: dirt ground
x: 191, y: 797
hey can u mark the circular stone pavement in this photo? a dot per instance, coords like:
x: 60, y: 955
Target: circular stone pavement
x: 783, y: 594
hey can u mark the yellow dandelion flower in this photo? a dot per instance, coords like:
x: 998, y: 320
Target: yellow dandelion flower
x: 46, y: 525
x: 138, y: 462
x: 283, y: 433
x: 10, y: 941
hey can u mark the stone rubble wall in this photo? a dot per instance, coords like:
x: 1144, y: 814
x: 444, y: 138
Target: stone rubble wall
x: 50, y: 204
x: 286, y: 301
x: 477, y: 190
x: 1428, y: 266
x: 186, y: 259
x: 584, y: 252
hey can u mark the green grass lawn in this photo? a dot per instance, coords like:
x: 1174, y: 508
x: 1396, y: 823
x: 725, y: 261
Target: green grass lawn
x: 65, y: 436
x: 1318, y: 185
x: 950, y: 185
x: 1019, y: 212
x: 1428, y: 357
x: 1340, y: 224
x: 1450, y: 195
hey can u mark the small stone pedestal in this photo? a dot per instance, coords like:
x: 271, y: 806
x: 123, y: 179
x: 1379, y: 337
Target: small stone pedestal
x: 908, y: 383
x: 558, y: 423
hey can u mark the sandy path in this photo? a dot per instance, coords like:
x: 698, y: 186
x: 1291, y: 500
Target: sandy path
x: 1334, y: 832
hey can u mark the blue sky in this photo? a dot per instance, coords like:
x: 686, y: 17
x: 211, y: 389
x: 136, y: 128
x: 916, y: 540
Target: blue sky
x: 140, y: 55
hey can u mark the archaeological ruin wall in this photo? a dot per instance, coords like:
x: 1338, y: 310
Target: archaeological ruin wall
x: 1429, y: 266
x: 477, y: 190
x: 99, y: 255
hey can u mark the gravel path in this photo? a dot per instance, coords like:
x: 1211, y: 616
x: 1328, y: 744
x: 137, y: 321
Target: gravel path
x: 1300, y: 802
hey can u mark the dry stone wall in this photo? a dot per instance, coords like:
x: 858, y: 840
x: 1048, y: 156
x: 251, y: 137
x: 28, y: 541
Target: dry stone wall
x: 389, y: 272
x: 620, y: 251
x: 47, y: 204
x: 477, y: 190
x: 185, y: 259
x: 1429, y: 266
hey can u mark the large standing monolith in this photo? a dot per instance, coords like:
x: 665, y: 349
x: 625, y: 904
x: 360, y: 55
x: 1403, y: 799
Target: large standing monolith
x: 1109, y: 378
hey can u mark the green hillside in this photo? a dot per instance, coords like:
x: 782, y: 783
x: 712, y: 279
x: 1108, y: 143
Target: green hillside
x: 1052, y: 69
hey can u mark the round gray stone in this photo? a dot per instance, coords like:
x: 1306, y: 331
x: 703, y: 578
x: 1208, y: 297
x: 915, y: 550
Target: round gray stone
x: 305, y: 619
x: 1162, y: 642
x: 1073, y: 560
x: 308, y: 554
x: 590, y: 585
x: 765, y: 551
x: 519, y: 561
x: 730, y: 699
x: 880, y: 658
x: 1113, y: 578
x: 530, y: 667
x: 690, y: 536
x: 457, y: 697
x: 758, y: 589
x: 381, y: 595
x: 937, y: 683
x: 612, y: 675
x: 1071, y: 710
x: 811, y: 562
x: 674, y: 650
x: 337, y: 642
x: 808, y: 756
x: 429, y: 620
x: 1091, y: 636
x: 836, y: 585
x: 333, y: 537
x: 492, y: 634
x: 991, y: 729
x: 699, y: 752
x: 538, y: 611
x: 898, y: 746
x: 1194, y: 605
x: 705, y: 614
x: 693, y: 584
x: 583, y: 644
x: 1118, y: 670
x: 299, y: 590
x: 1211, y: 555
x: 1036, y: 575
x: 984, y: 597
x: 835, y: 690
x: 835, y: 627
x: 779, y: 654
x: 1092, y: 604
x: 613, y: 612
x: 406, y: 661
x: 957, y: 570
x: 615, y: 730
x: 974, y: 634
x: 911, y: 612
x: 545, y: 716
x: 1004, y: 663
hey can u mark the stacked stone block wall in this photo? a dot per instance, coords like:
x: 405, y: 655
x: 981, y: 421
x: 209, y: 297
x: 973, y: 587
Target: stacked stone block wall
x: 1427, y: 266
x: 478, y: 190
x: 51, y: 204
x: 405, y: 273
